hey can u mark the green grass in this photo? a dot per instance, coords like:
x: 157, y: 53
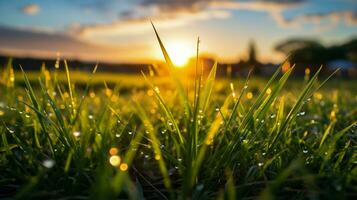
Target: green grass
x: 176, y: 138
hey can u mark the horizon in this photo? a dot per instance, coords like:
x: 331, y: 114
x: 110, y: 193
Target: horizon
x: 120, y: 31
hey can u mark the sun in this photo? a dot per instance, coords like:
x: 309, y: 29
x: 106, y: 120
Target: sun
x: 180, y: 53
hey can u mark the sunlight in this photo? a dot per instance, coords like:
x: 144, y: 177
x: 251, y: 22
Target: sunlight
x: 180, y: 53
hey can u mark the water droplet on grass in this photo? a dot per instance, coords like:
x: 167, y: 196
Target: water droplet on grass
x: 11, y: 130
x: 48, y: 163
x: 157, y: 90
x: 301, y: 113
x: 76, y: 133
x: 200, y: 187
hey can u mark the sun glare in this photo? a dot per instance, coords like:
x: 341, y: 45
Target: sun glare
x: 180, y: 53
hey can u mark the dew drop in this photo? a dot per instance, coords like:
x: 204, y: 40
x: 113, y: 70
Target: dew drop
x: 200, y: 187
x: 48, y: 163
x: 11, y: 130
x: 76, y: 133
x: 157, y: 89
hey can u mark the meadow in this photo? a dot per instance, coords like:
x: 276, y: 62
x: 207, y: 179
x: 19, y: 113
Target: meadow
x: 76, y: 135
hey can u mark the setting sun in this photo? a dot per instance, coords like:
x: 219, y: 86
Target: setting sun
x: 180, y: 53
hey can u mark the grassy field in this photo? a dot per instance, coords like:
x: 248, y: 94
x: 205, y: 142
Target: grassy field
x: 78, y: 136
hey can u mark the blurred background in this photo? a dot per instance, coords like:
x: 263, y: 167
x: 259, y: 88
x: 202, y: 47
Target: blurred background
x: 239, y: 34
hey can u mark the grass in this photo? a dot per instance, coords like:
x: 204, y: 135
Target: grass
x: 162, y: 139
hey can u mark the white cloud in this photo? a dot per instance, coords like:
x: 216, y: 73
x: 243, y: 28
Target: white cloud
x: 267, y: 6
x: 31, y: 9
x: 138, y: 25
x: 321, y: 21
x: 173, y: 13
x: 274, y: 8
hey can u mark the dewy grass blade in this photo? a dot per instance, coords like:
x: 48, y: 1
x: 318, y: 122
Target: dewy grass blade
x: 36, y: 107
x: 307, y: 91
x: 165, y: 109
x: 69, y: 85
x: 155, y: 144
x: 85, y: 93
x: 207, y: 89
x: 236, y: 104
x: 179, y: 85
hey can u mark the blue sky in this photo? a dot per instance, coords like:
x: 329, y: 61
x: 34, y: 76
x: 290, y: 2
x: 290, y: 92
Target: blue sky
x: 119, y: 30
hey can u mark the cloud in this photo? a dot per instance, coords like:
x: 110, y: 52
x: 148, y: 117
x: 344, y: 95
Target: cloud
x: 165, y: 13
x: 256, y: 5
x: 177, y: 6
x: 274, y: 7
x: 31, y: 9
x: 41, y: 44
x: 349, y: 18
x: 174, y: 13
x: 129, y: 24
x: 197, y: 5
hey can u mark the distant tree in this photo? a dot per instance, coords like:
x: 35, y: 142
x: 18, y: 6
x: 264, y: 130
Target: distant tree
x: 350, y: 49
x: 312, y: 52
x: 252, y: 57
x: 304, y: 53
x: 292, y: 45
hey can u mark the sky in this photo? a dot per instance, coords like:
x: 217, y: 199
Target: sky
x: 120, y: 30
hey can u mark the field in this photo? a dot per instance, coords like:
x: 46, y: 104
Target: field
x: 75, y: 135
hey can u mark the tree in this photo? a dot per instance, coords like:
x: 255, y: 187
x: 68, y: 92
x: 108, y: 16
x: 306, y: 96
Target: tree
x: 252, y: 57
x: 304, y: 53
